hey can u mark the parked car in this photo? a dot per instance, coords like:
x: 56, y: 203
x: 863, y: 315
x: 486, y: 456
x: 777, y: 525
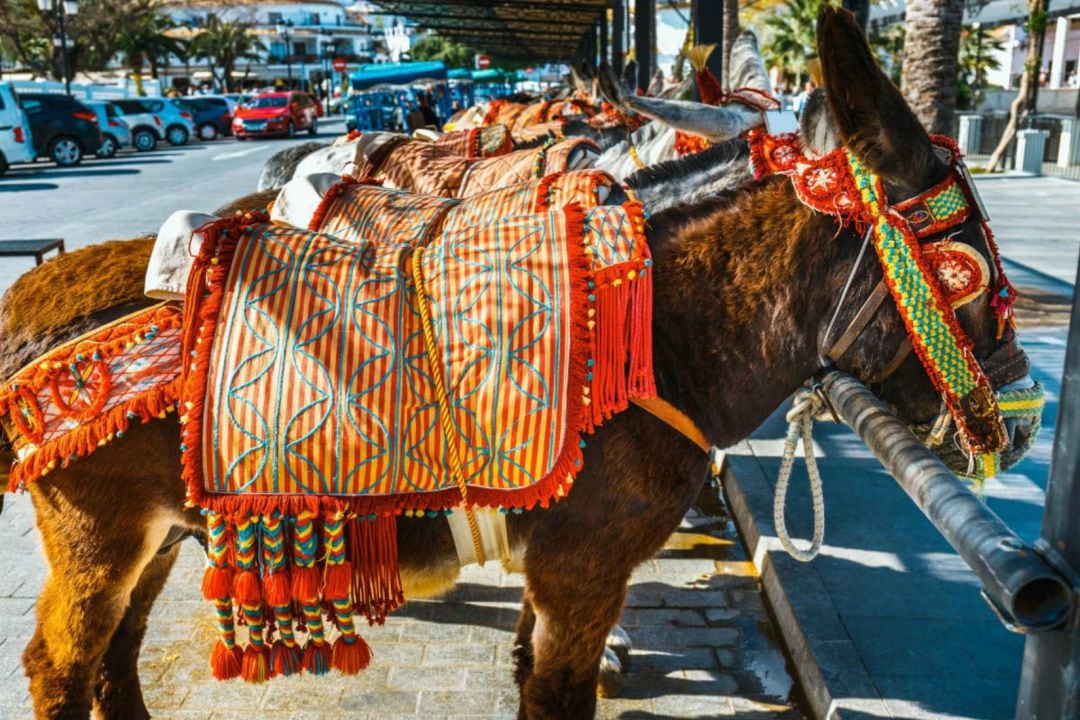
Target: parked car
x: 64, y: 129
x: 174, y: 124
x: 276, y: 113
x: 16, y: 140
x: 315, y: 101
x: 115, y: 133
x: 212, y: 114
x: 146, y: 127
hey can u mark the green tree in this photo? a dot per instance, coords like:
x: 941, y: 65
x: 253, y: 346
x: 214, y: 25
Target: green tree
x: 1025, y: 96
x: 979, y: 52
x: 437, y: 47
x: 223, y: 44
x: 144, y: 38
x: 889, y: 45
x: 791, y: 33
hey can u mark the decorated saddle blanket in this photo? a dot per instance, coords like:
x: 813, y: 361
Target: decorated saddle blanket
x: 477, y: 142
x: 502, y: 112
x: 86, y: 392
x: 427, y: 168
x: 317, y: 378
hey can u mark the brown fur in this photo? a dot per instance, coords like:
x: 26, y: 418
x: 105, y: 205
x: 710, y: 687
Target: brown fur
x: 744, y: 287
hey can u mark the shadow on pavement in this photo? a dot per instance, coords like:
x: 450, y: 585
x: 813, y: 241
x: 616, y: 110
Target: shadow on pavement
x: 94, y: 172
x: 19, y: 187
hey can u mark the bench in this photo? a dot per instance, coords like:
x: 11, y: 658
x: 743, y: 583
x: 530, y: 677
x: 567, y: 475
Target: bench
x: 37, y: 248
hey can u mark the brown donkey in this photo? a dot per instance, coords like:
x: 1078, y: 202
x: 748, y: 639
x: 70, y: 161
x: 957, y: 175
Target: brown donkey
x: 745, y: 285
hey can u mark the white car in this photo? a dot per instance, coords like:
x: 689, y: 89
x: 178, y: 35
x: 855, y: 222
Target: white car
x: 169, y: 122
x: 115, y: 133
x: 16, y: 143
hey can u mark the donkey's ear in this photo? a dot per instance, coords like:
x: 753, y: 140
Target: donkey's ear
x: 747, y: 67
x: 872, y: 118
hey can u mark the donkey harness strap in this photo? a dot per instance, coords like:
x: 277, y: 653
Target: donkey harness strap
x: 674, y: 418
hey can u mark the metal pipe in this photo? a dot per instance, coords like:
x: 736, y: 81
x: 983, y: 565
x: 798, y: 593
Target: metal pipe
x: 1017, y: 580
x: 618, y: 34
x: 1050, y: 679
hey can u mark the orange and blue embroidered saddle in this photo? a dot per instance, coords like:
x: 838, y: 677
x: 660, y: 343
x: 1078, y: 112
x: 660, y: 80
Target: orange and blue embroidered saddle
x: 314, y: 376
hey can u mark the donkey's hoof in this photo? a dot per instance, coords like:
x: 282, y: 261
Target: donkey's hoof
x: 619, y: 641
x: 610, y: 683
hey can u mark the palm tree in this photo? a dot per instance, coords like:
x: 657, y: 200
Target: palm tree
x: 929, y: 77
x: 224, y: 44
x: 731, y: 31
x: 144, y: 37
x: 792, y: 36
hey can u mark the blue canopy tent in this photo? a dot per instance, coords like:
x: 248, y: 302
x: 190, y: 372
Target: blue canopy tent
x: 384, y: 94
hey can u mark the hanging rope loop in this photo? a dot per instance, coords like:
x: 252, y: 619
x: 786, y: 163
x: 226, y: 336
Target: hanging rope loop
x: 809, y: 403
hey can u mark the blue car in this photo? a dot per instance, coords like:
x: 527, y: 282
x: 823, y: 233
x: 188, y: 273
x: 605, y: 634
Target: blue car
x: 212, y: 115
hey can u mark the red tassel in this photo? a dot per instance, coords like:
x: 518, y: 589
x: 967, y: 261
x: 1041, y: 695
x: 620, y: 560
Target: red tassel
x: 305, y: 584
x: 317, y: 658
x: 216, y: 583
x: 285, y: 660
x: 225, y: 661
x: 338, y: 581
x: 246, y: 590
x: 276, y: 589
x: 256, y: 664
x: 351, y: 655
x: 708, y: 88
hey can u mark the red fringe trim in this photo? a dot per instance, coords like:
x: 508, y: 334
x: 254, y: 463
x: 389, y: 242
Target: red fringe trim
x: 376, y: 582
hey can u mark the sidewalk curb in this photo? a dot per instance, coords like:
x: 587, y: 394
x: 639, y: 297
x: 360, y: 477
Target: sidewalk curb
x: 834, y: 681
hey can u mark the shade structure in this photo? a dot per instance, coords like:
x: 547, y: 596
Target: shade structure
x: 370, y: 75
x: 536, y: 30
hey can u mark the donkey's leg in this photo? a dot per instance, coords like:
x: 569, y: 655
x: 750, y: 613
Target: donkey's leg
x: 101, y: 522
x: 118, y: 695
x: 523, y: 653
x: 636, y: 487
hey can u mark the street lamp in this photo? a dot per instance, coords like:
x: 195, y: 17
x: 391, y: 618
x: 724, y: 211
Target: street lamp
x: 325, y: 45
x: 62, y: 9
x: 284, y: 29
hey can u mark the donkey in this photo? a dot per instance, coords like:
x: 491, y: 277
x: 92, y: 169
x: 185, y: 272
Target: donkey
x: 745, y: 286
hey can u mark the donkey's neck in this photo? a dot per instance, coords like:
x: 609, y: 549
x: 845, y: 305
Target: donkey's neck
x: 743, y: 287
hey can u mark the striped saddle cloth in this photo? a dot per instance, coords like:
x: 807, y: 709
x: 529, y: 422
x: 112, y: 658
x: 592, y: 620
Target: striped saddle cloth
x: 407, y: 354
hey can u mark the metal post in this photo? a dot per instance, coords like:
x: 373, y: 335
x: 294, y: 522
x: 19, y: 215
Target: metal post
x: 1023, y: 588
x: 63, y: 47
x: 1050, y: 679
x: 644, y: 40
x: 708, y: 19
x: 618, y: 32
x: 603, y: 39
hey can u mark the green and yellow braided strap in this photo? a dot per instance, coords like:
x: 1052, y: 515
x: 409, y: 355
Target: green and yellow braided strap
x: 936, y: 336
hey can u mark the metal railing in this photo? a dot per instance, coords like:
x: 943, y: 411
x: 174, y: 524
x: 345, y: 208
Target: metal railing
x: 1060, y: 151
x: 1033, y: 588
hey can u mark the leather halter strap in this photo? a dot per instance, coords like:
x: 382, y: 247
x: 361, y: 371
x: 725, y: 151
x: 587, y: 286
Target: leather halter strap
x: 674, y: 418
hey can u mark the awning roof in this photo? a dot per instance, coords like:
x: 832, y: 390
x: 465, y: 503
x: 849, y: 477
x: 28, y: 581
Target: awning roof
x: 526, y: 29
x: 395, y: 74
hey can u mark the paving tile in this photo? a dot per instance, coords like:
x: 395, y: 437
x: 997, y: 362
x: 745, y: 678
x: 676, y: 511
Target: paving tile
x: 469, y: 702
x: 402, y: 702
x: 427, y: 678
x: 459, y: 654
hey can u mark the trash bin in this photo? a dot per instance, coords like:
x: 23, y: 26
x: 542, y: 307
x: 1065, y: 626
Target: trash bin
x: 1030, y: 146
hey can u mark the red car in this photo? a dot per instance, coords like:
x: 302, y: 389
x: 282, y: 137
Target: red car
x: 276, y: 113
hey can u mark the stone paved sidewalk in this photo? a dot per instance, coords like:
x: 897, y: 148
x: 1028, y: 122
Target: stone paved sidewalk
x: 702, y: 643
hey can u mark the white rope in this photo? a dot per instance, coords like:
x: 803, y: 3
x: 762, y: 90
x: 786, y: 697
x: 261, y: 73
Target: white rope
x: 800, y: 423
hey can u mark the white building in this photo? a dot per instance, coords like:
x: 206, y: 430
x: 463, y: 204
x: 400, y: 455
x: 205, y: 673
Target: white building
x: 298, y: 38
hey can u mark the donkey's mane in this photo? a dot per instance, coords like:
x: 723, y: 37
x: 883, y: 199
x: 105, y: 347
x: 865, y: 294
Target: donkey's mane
x: 605, y: 137
x: 686, y: 181
x: 723, y: 154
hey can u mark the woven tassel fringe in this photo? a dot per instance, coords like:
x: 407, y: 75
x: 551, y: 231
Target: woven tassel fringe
x: 279, y: 575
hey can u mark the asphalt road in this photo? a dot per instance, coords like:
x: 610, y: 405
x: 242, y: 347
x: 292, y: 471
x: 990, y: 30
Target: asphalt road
x: 131, y: 194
